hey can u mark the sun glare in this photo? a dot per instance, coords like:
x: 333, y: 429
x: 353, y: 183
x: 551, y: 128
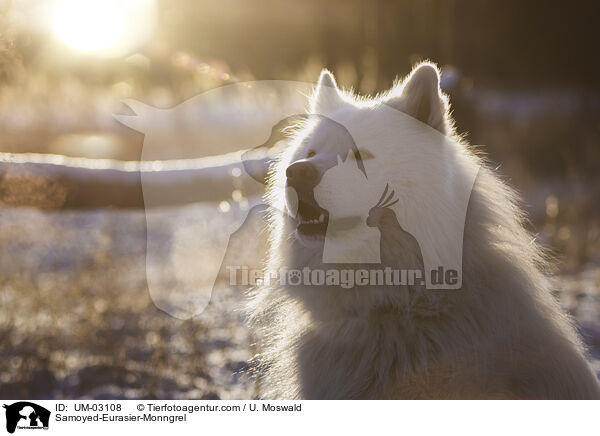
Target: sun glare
x: 100, y: 25
x: 89, y: 25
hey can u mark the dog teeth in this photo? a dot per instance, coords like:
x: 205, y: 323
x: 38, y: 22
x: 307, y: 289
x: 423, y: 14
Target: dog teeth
x: 322, y: 218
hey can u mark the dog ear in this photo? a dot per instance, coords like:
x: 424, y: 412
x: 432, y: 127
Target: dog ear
x: 422, y: 98
x: 326, y: 97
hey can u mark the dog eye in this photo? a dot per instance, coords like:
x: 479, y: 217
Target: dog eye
x: 365, y: 155
x: 311, y: 154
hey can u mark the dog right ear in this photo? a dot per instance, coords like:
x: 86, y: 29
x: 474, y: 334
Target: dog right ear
x: 326, y: 98
x: 422, y: 98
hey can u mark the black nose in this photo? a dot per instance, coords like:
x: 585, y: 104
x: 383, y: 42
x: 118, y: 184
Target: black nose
x: 301, y: 171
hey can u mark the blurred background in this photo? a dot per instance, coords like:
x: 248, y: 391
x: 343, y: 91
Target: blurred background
x: 76, y: 318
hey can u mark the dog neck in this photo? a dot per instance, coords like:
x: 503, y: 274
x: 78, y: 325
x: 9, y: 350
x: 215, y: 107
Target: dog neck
x: 357, y: 245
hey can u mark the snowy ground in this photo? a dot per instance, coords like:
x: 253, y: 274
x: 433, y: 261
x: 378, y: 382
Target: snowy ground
x: 77, y: 319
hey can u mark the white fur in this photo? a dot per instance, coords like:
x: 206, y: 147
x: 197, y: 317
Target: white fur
x: 502, y: 335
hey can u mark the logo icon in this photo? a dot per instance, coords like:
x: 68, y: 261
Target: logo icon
x: 26, y: 415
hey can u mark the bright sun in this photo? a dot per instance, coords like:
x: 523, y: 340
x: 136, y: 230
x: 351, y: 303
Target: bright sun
x: 100, y: 26
x: 89, y: 25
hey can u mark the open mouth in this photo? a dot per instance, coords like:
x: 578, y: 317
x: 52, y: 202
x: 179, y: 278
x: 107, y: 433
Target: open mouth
x: 312, y: 219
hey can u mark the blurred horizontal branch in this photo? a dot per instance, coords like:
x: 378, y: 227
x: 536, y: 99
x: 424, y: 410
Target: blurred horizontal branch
x: 59, y: 182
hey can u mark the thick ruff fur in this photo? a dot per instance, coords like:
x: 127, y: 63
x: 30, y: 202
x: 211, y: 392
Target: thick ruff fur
x: 502, y: 335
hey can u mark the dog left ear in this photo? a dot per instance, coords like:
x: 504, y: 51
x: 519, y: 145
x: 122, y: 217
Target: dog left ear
x: 326, y: 98
x: 422, y: 98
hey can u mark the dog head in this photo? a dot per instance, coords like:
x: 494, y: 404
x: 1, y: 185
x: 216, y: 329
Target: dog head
x: 372, y: 139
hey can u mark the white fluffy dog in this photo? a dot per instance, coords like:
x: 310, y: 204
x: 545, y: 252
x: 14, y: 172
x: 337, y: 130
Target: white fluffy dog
x: 501, y: 335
